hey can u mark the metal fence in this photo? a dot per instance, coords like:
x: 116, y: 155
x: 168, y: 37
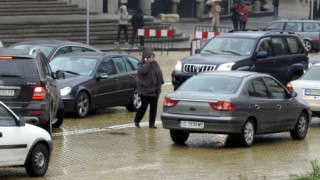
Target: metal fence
x: 157, y: 36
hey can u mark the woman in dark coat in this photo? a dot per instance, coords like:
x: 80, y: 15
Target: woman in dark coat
x: 149, y: 83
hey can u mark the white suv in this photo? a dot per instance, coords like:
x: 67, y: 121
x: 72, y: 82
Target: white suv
x: 23, y: 144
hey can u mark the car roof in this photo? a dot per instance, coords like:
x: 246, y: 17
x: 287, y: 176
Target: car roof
x: 295, y: 20
x: 94, y: 54
x: 52, y: 43
x: 15, y: 52
x: 239, y: 74
x: 255, y: 34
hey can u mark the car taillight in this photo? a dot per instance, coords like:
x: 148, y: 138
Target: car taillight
x: 5, y: 57
x: 39, y: 93
x: 222, y: 106
x: 167, y: 102
x: 289, y: 86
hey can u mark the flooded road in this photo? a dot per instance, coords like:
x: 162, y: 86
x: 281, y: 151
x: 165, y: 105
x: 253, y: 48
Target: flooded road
x: 106, y: 145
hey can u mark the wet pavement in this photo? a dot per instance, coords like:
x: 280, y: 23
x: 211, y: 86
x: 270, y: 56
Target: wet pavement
x: 106, y: 145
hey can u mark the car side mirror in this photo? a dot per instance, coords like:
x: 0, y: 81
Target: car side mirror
x: 197, y: 51
x: 102, y: 76
x: 262, y: 54
x: 60, y: 75
x: 22, y: 121
x: 293, y: 94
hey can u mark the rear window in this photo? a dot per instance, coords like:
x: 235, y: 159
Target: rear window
x: 312, y: 74
x: 45, y: 49
x: 25, y: 68
x: 215, y: 84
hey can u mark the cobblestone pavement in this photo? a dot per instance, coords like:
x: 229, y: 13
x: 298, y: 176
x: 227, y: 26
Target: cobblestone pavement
x: 106, y: 145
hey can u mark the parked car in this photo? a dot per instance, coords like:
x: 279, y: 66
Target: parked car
x: 281, y: 55
x: 308, y: 30
x: 308, y: 88
x: 96, y: 80
x: 239, y: 103
x: 23, y: 144
x: 29, y: 88
x: 52, y: 48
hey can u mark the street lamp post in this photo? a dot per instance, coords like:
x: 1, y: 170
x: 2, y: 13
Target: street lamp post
x: 88, y: 17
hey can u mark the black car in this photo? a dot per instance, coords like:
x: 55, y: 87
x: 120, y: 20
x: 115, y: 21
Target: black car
x: 52, y: 48
x: 279, y: 54
x: 96, y: 80
x: 29, y: 88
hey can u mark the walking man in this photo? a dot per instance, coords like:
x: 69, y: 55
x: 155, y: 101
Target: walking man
x: 275, y: 4
x: 137, y: 22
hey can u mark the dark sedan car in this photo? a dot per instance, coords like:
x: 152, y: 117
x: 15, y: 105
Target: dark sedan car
x: 52, y: 48
x: 239, y: 103
x: 97, y: 80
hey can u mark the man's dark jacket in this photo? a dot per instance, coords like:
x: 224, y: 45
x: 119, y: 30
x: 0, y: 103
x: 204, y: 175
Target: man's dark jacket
x: 137, y: 20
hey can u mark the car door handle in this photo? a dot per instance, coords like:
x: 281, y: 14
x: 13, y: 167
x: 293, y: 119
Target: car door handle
x: 256, y: 106
x: 115, y: 80
x: 133, y: 75
x: 278, y: 106
x: 0, y: 134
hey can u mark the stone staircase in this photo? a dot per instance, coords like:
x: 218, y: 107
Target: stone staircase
x: 51, y: 19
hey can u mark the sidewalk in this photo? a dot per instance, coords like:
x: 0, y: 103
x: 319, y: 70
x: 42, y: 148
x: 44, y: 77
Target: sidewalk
x: 288, y: 9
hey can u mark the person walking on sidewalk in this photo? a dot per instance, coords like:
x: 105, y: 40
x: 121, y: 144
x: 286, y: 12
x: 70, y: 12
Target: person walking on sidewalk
x: 235, y: 15
x: 243, y: 11
x: 275, y: 4
x: 123, y: 24
x: 149, y: 83
x: 215, y: 13
x: 137, y: 22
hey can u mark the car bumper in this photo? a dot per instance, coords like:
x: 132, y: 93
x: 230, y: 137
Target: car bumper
x: 314, y: 106
x: 178, y: 77
x: 223, y: 125
x: 68, y: 104
x: 36, y: 112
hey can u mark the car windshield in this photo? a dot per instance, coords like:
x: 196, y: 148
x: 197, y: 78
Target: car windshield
x: 229, y: 46
x: 215, y: 84
x: 74, y: 65
x: 45, y: 49
x: 312, y: 74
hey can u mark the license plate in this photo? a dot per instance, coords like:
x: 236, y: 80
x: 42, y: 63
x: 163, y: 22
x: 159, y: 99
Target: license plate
x: 6, y: 92
x: 312, y: 92
x: 192, y: 124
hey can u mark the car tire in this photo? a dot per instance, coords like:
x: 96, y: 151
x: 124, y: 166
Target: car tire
x: 59, y: 115
x: 308, y: 45
x: 38, y: 161
x: 81, y: 107
x: 247, y: 133
x: 178, y: 136
x: 301, y: 128
x: 135, y: 102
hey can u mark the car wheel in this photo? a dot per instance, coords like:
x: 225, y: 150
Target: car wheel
x: 247, y: 133
x: 60, y: 115
x: 179, y: 137
x: 81, y: 108
x: 308, y: 45
x: 37, y: 163
x: 301, y: 127
x: 135, y: 102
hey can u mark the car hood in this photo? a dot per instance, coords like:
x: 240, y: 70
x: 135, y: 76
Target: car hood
x: 73, y: 81
x: 216, y: 59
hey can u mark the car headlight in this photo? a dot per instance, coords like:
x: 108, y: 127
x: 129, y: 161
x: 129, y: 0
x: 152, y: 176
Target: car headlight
x: 65, y: 91
x: 226, y: 66
x: 178, y: 66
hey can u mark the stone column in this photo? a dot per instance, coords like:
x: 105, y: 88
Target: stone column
x: 145, y: 5
x: 199, y: 8
x: 174, y: 6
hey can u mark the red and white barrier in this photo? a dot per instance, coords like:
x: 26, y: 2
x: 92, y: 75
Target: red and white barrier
x: 155, y: 32
x: 205, y: 35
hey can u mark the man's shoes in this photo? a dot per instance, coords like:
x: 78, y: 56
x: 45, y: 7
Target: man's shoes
x: 137, y: 124
x: 153, y: 127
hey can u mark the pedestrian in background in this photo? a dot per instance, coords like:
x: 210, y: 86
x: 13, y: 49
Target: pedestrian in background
x: 123, y: 24
x: 137, y: 22
x: 275, y: 4
x: 243, y: 11
x: 215, y: 13
x: 235, y: 15
x: 149, y: 83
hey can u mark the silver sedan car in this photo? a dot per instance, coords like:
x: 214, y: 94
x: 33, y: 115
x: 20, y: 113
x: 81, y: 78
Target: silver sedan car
x: 234, y: 102
x: 308, y: 88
